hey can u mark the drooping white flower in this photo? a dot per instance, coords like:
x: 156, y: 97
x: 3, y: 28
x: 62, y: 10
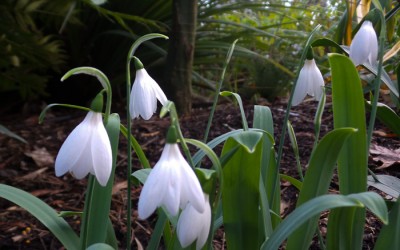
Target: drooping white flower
x: 86, y: 150
x: 172, y: 184
x: 310, y: 82
x: 144, y: 94
x: 364, y: 47
x: 193, y: 225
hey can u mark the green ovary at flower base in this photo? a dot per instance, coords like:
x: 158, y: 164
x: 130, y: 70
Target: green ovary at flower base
x: 310, y: 82
x: 193, y: 225
x: 144, y: 94
x: 172, y: 184
x: 86, y: 150
x: 364, y: 47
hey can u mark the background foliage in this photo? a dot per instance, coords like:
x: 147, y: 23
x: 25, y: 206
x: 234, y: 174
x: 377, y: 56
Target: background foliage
x: 40, y: 39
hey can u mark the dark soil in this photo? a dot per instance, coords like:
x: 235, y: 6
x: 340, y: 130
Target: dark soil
x: 30, y: 167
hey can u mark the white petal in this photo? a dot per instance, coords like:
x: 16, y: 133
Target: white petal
x: 162, y: 187
x: 143, y: 99
x: 373, y: 45
x: 172, y: 197
x: 188, y: 226
x: 206, y: 223
x: 152, y: 193
x: 317, y: 81
x: 84, y: 165
x: 193, y: 225
x: 101, y: 152
x: 159, y: 94
x: 364, y: 46
x: 73, y: 147
x: 191, y: 190
x: 301, y: 89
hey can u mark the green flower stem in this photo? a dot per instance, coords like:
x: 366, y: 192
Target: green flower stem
x: 215, y: 191
x: 170, y: 107
x: 218, y: 89
x: 293, y: 141
x: 131, y: 52
x: 289, y: 106
x: 318, y: 117
x: 85, y: 215
x: 377, y: 82
x: 102, y: 79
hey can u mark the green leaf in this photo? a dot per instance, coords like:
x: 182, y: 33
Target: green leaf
x: 387, y: 116
x: 213, y: 143
x: 100, y: 246
x: 98, y: 201
x: 342, y: 215
x: 44, y: 213
x: 207, y: 179
x: 248, y: 140
x: 349, y: 111
x: 7, y: 132
x: 296, y: 183
x: 315, y: 206
x: 239, y: 100
x: 317, y: 180
x: 158, y: 230
x: 240, y: 191
x: 263, y: 119
x: 389, y: 235
x: 111, y: 238
x: 136, y: 147
x: 386, y: 183
x: 269, y: 172
x: 141, y: 174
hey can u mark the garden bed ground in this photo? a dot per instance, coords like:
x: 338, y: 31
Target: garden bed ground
x: 31, y: 166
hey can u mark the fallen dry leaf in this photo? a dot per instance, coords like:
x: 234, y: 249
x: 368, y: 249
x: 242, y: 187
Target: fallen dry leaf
x: 33, y: 175
x: 41, y: 157
x: 119, y: 186
x: 387, y: 156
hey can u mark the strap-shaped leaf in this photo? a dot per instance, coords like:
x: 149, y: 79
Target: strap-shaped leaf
x: 321, y: 203
x: 240, y: 191
x: 44, y: 213
x: 320, y: 171
x: 349, y: 111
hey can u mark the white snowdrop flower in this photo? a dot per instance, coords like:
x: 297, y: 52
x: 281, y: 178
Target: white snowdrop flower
x: 171, y: 183
x: 310, y: 82
x: 364, y: 47
x: 144, y: 94
x: 86, y: 150
x: 193, y: 225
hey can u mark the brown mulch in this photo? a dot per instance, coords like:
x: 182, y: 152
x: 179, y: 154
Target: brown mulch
x: 30, y: 166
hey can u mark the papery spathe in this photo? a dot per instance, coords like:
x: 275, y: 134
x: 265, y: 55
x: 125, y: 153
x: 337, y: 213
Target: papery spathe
x: 172, y: 184
x: 310, y: 82
x: 364, y: 47
x: 144, y: 95
x: 86, y: 150
x: 193, y: 225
